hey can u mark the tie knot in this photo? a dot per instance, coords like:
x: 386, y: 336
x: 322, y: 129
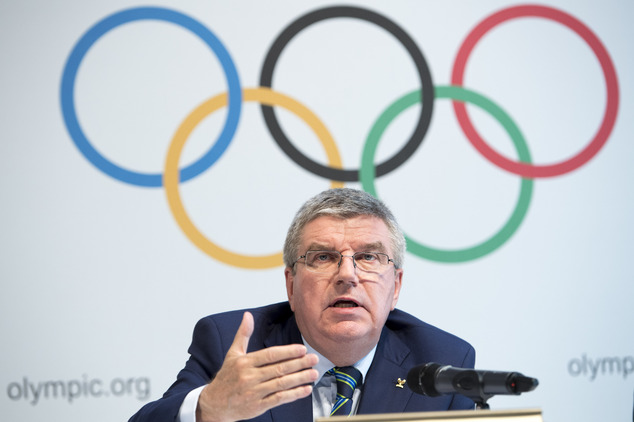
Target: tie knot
x: 348, y: 377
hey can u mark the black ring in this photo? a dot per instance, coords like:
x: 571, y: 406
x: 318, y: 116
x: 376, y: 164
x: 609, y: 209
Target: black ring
x: 427, y: 91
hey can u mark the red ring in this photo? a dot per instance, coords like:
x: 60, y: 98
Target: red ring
x: 612, y: 102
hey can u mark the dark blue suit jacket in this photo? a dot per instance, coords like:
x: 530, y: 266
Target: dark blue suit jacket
x: 405, y: 342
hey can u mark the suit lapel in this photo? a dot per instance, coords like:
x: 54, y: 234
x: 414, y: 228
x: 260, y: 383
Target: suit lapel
x: 380, y: 391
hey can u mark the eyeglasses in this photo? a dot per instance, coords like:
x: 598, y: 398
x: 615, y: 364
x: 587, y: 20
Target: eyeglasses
x: 330, y: 261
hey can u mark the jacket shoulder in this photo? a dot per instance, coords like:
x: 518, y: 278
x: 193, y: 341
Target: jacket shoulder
x: 428, y: 342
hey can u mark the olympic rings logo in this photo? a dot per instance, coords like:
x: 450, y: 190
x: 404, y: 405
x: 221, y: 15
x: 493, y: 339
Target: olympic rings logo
x: 368, y: 171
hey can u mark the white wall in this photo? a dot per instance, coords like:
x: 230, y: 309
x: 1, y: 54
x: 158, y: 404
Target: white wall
x: 101, y: 287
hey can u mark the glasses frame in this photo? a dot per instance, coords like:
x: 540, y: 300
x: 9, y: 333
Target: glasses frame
x: 341, y: 256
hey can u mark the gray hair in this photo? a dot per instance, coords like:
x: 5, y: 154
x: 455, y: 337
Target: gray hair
x: 342, y: 203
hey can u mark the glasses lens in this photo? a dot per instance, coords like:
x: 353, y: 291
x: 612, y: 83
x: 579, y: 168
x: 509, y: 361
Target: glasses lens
x: 322, y: 261
x: 370, y: 261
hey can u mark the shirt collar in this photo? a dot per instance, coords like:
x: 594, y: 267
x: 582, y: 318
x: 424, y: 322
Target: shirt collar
x: 324, y: 364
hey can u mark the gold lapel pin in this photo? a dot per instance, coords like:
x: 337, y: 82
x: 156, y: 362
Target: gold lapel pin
x: 400, y: 383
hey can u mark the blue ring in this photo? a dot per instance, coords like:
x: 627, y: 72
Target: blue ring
x: 68, y: 91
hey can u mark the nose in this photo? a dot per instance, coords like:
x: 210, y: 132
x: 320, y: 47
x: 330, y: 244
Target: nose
x: 347, y: 270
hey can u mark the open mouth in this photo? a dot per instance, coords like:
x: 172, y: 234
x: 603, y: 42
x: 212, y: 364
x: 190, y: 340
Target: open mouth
x: 345, y: 304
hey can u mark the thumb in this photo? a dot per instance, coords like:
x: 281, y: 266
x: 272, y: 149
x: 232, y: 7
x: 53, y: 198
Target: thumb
x: 241, y: 339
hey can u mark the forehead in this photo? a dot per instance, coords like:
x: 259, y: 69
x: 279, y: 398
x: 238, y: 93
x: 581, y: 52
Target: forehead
x: 338, y: 233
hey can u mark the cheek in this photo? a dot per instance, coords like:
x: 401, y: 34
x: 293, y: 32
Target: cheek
x: 384, y: 296
x: 304, y: 294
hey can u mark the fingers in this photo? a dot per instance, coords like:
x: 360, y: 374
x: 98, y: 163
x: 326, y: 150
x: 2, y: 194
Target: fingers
x: 286, y: 396
x: 284, y: 382
x: 278, y: 367
x: 275, y: 354
x: 241, y: 340
x: 288, y: 382
x: 248, y: 384
x: 280, y: 390
x: 241, y: 391
x: 267, y: 356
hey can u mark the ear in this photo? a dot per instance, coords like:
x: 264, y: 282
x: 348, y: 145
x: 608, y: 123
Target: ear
x: 290, y: 287
x: 398, y: 282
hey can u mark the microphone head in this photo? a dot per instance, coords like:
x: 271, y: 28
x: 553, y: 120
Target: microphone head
x: 420, y: 379
x: 525, y: 384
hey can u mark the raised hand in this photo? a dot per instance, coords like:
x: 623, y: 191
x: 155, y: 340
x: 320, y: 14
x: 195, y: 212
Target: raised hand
x: 249, y: 384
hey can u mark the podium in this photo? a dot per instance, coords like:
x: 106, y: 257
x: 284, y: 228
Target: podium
x: 521, y: 415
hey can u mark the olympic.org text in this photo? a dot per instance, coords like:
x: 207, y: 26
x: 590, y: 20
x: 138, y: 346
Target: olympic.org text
x: 601, y: 366
x: 34, y: 391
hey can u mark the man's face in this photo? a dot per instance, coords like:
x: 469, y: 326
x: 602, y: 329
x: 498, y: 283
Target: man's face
x: 343, y: 311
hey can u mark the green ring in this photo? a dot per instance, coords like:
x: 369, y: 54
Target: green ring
x: 367, y: 171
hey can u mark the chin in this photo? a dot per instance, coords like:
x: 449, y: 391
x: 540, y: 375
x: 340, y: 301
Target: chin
x: 348, y: 331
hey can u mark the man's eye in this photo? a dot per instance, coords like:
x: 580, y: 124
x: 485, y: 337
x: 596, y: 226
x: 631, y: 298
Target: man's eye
x: 325, y: 257
x: 368, y: 257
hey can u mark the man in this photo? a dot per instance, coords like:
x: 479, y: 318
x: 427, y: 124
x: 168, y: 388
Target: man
x: 283, y: 362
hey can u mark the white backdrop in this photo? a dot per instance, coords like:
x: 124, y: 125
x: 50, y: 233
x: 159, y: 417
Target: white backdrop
x: 101, y: 287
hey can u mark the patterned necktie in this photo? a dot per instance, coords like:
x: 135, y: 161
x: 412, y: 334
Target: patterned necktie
x: 347, y: 378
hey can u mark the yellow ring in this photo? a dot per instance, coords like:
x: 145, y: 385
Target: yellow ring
x: 171, y: 179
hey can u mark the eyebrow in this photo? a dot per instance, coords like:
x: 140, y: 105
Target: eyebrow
x: 318, y: 247
x: 368, y: 247
x: 374, y: 247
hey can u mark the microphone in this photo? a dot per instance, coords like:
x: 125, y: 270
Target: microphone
x: 432, y: 379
